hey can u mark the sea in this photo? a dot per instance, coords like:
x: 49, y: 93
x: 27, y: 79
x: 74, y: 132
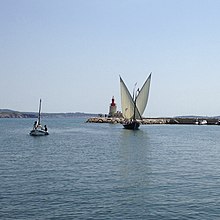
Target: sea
x: 102, y: 171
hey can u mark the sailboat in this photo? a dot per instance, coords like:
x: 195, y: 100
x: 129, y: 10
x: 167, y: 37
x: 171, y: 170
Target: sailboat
x: 133, y: 107
x: 38, y: 129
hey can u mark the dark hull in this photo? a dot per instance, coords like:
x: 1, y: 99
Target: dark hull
x: 38, y: 132
x: 134, y: 125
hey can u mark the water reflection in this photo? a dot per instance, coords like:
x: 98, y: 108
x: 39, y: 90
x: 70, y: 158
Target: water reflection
x: 135, y: 157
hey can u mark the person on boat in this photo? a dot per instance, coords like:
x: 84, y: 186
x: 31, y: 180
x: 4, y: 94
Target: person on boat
x: 35, y: 125
x: 45, y: 127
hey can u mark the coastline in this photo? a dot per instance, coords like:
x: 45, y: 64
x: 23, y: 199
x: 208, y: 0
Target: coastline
x: 94, y: 118
x: 16, y: 114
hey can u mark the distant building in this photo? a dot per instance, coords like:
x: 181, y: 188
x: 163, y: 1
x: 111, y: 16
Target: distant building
x: 112, y: 108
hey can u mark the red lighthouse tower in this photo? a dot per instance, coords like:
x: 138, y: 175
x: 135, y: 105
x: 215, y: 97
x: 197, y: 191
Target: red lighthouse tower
x: 112, y: 108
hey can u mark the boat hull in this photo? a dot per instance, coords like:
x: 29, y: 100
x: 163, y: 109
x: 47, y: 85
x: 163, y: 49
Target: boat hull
x: 134, y: 125
x: 37, y: 132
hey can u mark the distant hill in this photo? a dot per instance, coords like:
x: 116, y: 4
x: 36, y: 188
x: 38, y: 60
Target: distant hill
x: 6, y: 110
x: 7, y: 113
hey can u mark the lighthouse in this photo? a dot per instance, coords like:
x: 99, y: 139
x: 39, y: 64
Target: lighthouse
x: 112, y: 108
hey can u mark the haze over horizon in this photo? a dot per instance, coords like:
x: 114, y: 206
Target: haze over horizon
x: 70, y: 53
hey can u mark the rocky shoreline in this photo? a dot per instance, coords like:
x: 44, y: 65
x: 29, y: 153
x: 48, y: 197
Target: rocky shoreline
x: 145, y: 121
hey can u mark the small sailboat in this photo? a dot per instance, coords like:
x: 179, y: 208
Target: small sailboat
x: 38, y: 129
x: 133, y: 107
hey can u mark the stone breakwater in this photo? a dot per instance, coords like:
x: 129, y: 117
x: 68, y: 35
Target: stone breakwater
x: 210, y: 121
x: 121, y: 120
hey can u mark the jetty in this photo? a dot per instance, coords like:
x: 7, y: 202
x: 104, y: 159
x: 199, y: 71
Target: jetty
x: 149, y: 121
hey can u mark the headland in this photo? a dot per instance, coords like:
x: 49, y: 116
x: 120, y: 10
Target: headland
x: 7, y: 113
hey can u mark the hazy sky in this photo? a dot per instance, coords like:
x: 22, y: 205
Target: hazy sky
x: 70, y: 53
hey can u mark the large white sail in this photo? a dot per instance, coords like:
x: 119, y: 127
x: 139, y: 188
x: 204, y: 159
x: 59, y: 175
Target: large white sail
x: 127, y: 103
x: 142, y: 98
x: 129, y: 110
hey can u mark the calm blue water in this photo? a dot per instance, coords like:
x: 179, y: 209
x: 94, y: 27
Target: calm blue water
x: 101, y: 171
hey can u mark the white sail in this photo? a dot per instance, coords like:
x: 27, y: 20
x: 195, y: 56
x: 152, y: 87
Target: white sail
x: 142, y: 98
x: 127, y: 103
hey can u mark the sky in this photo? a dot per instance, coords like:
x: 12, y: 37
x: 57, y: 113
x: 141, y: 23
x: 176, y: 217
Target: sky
x: 70, y: 54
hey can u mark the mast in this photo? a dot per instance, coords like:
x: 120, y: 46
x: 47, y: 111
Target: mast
x: 39, y: 113
x: 134, y: 99
x: 136, y: 110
